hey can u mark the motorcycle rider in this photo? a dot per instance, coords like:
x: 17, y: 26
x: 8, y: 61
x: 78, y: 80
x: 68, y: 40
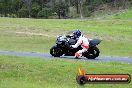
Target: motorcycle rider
x: 82, y: 40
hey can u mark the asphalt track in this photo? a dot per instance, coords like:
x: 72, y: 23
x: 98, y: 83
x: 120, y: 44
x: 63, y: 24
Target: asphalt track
x: 48, y: 56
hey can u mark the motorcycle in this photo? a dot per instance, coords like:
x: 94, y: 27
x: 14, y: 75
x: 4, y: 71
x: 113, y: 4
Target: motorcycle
x: 62, y: 47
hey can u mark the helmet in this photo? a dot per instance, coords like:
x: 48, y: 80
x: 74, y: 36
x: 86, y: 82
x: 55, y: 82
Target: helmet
x: 77, y: 33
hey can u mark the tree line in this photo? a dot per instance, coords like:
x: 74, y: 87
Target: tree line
x: 54, y: 8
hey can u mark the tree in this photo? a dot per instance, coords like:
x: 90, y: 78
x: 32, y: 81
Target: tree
x: 81, y: 9
x: 28, y: 4
x: 75, y: 3
x: 61, y: 8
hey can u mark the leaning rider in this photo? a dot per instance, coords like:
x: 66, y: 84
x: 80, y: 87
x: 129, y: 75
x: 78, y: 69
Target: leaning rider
x: 82, y: 40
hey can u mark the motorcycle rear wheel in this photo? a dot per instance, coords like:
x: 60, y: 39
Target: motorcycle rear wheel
x: 92, y: 54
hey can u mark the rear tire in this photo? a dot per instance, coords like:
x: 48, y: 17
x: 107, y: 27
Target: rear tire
x: 93, y: 53
x: 56, y: 51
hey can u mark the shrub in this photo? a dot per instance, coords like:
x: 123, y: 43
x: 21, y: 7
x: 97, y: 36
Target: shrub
x: 44, y: 13
x: 35, y: 10
x: 23, y: 13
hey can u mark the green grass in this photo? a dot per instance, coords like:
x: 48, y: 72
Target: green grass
x: 25, y: 72
x: 123, y: 14
x: 38, y: 35
x: 112, y: 48
x: 28, y: 44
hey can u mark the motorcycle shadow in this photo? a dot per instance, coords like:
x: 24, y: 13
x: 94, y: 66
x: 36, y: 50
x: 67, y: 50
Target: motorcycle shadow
x: 80, y: 58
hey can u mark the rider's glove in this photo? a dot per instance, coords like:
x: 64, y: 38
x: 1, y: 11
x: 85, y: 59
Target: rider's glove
x: 71, y: 46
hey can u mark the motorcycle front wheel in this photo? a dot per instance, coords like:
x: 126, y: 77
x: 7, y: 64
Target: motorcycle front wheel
x: 56, y: 51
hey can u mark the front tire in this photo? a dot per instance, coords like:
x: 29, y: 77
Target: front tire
x: 92, y: 53
x: 56, y: 51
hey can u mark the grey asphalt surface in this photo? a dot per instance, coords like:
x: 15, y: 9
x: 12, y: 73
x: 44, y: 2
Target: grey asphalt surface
x: 48, y: 56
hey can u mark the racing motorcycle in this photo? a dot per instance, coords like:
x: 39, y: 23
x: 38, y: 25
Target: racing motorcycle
x: 62, y: 47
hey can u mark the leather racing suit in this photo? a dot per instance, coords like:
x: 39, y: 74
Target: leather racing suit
x: 83, y: 41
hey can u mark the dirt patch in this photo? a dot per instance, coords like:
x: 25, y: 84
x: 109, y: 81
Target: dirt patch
x: 35, y: 34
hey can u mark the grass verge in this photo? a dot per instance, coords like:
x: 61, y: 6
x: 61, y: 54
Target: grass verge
x: 123, y: 15
x: 38, y: 35
x: 27, y: 72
